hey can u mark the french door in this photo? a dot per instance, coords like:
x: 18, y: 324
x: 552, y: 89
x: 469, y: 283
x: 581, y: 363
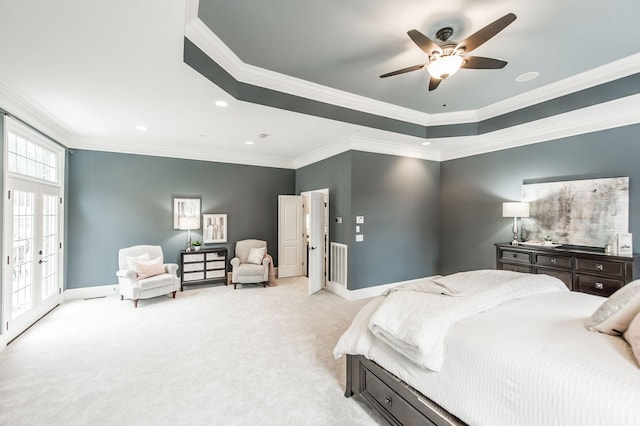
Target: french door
x: 32, y: 249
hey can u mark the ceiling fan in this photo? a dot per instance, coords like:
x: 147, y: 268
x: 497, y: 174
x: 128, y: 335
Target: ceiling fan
x: 447, y: 57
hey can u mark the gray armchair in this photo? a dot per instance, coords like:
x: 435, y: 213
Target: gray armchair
x: 250, y: 266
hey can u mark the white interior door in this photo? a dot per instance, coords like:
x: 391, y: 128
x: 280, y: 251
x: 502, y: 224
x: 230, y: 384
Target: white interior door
x: 316, y: 241
x: 32, y: 230
x: 291, y: 239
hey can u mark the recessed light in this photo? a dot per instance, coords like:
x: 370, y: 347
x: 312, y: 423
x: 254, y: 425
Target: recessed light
x: 141, y: 128
x: 249, y: 142
x: 426, y: 143
x: 222, y: 104
x: 527, y: 76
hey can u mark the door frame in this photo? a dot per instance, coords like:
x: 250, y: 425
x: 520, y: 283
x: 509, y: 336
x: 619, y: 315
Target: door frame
x: 22, y: 181
x: 305, y: 198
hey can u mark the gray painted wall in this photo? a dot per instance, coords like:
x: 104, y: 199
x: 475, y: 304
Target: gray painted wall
x: 399, y: 198
x: 474, y: 188
x: 335, y: 174
x: 118, y: 200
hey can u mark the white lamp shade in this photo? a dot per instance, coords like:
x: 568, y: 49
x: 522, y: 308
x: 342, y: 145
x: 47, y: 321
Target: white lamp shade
x: 445, y: 66
x: 188, y: 222
x: 514, y: 209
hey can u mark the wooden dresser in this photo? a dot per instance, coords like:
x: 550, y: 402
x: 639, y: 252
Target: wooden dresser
x: 586, y: 271
x: 205, y: 266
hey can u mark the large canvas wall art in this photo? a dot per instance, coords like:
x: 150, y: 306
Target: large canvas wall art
x: 579, y: 212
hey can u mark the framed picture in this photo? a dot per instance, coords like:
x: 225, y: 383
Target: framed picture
x: 186, y: 212
x: 214, y: 228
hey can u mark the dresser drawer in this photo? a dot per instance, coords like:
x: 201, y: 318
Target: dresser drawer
x: 403, y: 412
x: 216, y: 274
x: 599, y: 267
x: 597, y: 285
x: 563, y: 262
x: 215, y: 265
x: 215, y: 256
x: 190, y: 267
x: 516, y: 268
x: 515, y: 256
x: 192, y: 276
x: 196, y: 257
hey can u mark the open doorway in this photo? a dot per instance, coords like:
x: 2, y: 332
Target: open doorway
x: 303, y: 232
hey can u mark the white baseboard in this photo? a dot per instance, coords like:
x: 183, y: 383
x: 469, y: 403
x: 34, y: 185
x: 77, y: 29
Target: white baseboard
x: 90, y: 292
x: 364, y: 293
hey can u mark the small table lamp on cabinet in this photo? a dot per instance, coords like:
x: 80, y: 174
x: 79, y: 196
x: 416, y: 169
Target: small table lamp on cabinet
x: 515, y: 210
x: 188, y: 223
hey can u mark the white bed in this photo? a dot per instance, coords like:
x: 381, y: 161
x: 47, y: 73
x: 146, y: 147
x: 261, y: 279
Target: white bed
x: 527, y: 361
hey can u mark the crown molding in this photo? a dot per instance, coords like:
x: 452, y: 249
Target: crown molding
x: 25, y: 110
x: 603, y: 74
x: 199, y: 34
x: 607, y: 115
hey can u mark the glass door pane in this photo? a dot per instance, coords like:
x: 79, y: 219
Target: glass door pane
x: 48, y: 255
x: 23, y: 242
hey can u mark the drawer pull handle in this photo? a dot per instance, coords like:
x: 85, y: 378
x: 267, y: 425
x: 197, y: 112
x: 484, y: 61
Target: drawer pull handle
x: 514, y: 255
x: 553, y: 261
x: 599, y: 286
x: 599, y: 266
x: 387, y: 400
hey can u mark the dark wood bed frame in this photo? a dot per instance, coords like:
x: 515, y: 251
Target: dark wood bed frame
x: 390, y: 397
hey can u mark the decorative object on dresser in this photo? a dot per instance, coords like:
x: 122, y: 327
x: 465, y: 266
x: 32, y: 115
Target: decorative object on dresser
x: 143, y: 274
x: 587, y: 271
x: 207, y: 266
x: 515, y: 210
x: 251, y: 263
x: 186, y: 215
x: 215, y: 228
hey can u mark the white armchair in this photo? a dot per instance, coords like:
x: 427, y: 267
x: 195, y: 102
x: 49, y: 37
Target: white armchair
x: 143, y: 273
x: 250, y: 266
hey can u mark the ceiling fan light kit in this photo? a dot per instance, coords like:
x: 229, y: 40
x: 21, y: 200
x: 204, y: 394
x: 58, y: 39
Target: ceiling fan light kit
x: 445, y: 66
x: 446, y: 58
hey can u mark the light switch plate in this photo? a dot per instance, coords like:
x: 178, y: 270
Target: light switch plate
x: 359, y: 237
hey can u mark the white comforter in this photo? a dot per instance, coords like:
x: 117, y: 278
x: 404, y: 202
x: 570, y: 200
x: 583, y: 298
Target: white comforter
x: 415, y: 319
x: 529, y: 361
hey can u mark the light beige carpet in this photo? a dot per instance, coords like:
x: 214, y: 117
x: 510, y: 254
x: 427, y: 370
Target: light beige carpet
x: 212, y: 356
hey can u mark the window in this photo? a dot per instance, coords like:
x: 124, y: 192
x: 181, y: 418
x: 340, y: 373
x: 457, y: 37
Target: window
x: 30, y: 159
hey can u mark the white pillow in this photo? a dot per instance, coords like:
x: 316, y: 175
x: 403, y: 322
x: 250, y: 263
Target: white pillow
x: 131, y: 260
x: 615, y: 314
x: 632, y: 336
x: 146, y: 269
x: 256, y: 255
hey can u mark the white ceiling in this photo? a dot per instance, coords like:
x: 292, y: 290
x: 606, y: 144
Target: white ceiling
x: 88, y: 73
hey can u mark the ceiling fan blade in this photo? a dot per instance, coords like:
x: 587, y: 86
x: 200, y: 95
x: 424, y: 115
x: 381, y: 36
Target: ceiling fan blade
x: 427, y: 45
x: 433, y: 83
x: 403, y: 70
x: 484, y: 34
x: 480, y: 63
